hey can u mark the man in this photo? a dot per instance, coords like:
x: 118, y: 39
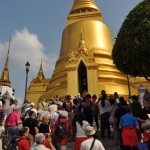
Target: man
x: 13, y: 103
x: 135, y: 106
x: 146, y: 106
x: 12, y: 122
x: 62, y: 141
x: 28, y: 109
x: 32, y: 124
x: 118, y: 114
x: 95, y: 110
x: 128, y: 123
x: 39, y: 142
x: 87, y: 109
x: 91, y: 143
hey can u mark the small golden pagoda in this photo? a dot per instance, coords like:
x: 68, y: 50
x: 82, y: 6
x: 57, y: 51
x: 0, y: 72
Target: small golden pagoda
x: 37, y: 86
x: 5, y: 83
x: 4, y: 80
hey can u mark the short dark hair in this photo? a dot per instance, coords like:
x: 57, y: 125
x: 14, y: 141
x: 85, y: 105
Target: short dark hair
x: 68, y: 97
x: 94, y: 96
x: 31, y: 113
x: 23, y: 130
x: 87, y: 96
x: 3, y: 101
x: 75, y: 101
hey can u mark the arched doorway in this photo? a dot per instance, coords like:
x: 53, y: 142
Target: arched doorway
x: 82, y: 78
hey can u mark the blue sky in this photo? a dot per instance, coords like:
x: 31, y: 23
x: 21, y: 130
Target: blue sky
x: 36, y: 28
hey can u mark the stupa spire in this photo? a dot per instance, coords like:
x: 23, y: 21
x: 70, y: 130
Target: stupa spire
x: 4, y: 80
x: 40, y: 73
x: 79, y: 4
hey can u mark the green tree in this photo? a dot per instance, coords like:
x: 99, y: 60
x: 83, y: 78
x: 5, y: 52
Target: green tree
x: 131, y: 51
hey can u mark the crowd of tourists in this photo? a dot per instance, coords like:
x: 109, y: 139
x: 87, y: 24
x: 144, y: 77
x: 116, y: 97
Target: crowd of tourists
x: 84, y: 120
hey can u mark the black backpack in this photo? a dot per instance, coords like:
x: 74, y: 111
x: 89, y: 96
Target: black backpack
x: 14, y: 144
x: 61, y: 130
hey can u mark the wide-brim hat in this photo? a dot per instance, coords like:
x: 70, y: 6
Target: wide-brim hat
x: 64, y: 114
x: 89, y: 130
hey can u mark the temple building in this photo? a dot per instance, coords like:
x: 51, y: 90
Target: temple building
x: 85, y: 63
x: 37, y: 86
x: 5, y: 83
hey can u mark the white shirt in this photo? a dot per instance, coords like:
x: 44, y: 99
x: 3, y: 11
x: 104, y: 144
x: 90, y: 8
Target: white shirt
x: 85, y: 145
x: 81, y: 130
x: 53, y: 108
x: 105, y: 108
x: 38, y: 147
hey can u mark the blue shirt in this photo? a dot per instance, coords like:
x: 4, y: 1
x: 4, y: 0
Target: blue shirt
x: 128, y: 120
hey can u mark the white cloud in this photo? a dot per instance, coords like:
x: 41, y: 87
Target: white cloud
x: 25, y: 46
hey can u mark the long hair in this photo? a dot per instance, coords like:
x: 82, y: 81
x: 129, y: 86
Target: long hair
x: 104, y: 96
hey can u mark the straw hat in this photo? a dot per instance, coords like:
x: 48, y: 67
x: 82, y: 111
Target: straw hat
x: 89, y: 130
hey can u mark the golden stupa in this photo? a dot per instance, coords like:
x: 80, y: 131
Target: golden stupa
x: 85, y: 63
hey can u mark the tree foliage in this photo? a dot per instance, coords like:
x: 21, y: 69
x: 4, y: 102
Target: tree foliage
x: 131, y: 51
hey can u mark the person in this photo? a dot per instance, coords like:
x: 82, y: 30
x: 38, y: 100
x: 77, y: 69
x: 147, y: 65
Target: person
x: 80, y: 130
x: 112, y: 109
x: 11, y: 123
x: 76, y: 110
x: 26, y: 113
x: 104, y: 115
x: 118, y: 114
x: 116, y: 96
x: 39, y: 142
x: 45, y: 129
x: 23, y: 141
x: 128, y: 123
x: 146, y: 106
x: 62, y: 141
x: 53, y: 107
x: 102, y: 93
x: 67, y: 105
x: 32, y: 124
x: 90, y: 141
x: 87, y: 109
x: 44, y: 126
x: 13, y: 103
x: 2, y: 118
x: 95, y: 110
x: 2, y: 114
x: 135, y: 106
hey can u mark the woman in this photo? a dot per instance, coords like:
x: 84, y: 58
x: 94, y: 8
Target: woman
x: 80, y: 131
x: 104, y: 115
x: 23, y: 142
x: 128, y: 123
x: 45, y: 129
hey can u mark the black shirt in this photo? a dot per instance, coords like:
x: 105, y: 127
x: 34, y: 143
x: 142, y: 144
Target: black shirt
x: 31, y: 123
x: 44, y: 128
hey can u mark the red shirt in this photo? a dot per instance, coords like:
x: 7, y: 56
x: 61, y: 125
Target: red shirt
x: 23, y: 144
x: 12, y: 119
x: 63, y: 141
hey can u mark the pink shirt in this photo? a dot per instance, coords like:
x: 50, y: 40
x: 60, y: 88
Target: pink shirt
x: 12, y: 119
